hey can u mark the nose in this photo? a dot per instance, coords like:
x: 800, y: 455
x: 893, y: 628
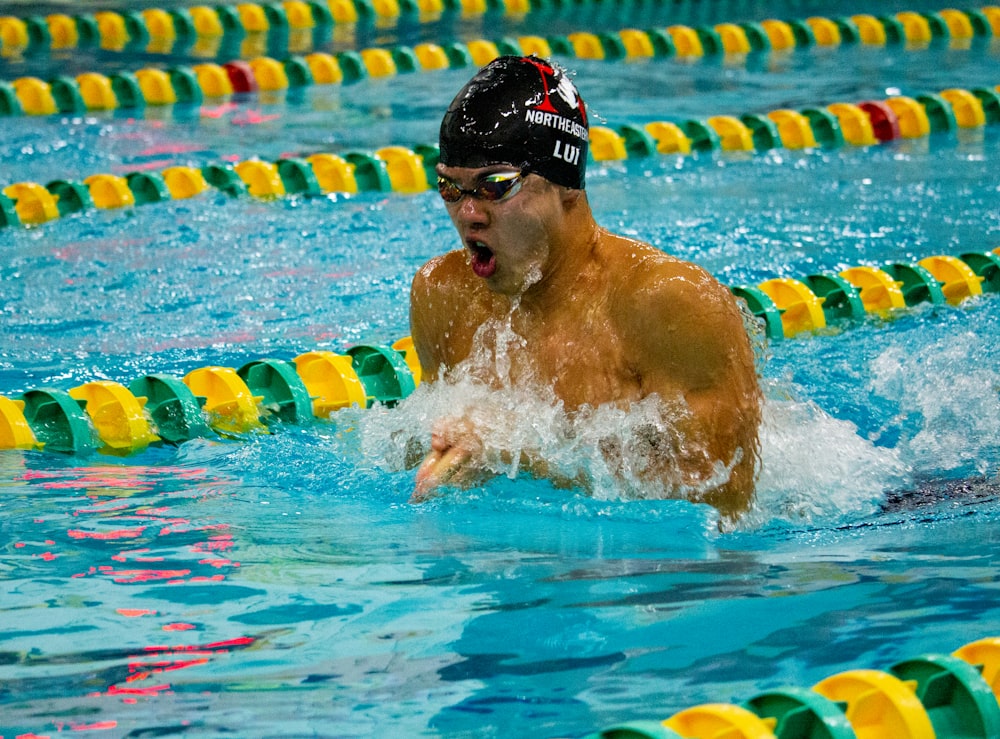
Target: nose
x: 470, y: 211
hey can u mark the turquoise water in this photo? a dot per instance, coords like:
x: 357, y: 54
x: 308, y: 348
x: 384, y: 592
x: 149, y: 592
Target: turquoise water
x: 281, y: 585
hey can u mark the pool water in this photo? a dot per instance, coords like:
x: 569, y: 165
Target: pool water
x: 282, y: 585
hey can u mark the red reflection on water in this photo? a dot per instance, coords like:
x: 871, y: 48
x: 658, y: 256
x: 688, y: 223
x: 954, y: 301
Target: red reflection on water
x: 127, y: 576
x: 173, y: 148
x: 91, y: 480
x: 116, y: 477
x: 218, y: 543
x: 218, y: 111
x: 118, y: 508
x: 152, y: 164
x: 158, y: 659
x: 96, y: 726
x: 144, y: 670
x: 252, y: 118
x: 217, y: 562
x: 178, y: 627
x: 152, y: 690
x: 134, y: 525
x: 106, y: 535
x: 136, y: 612
x: 136, y: 555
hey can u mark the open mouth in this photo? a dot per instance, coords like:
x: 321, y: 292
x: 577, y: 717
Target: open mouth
x: 484, y: 261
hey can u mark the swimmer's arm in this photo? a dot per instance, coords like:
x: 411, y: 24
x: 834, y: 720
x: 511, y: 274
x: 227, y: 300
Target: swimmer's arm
x: 689, y: 340
x: 426, y: 317
x: 682, y: 327
x: 442, y: 298
x: 455, y: 446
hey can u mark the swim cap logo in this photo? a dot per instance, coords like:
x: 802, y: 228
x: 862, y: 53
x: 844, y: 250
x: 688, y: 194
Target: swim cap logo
x: 546, y: 113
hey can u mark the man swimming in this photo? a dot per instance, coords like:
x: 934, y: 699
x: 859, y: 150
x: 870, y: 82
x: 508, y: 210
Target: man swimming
x: 598, y: 318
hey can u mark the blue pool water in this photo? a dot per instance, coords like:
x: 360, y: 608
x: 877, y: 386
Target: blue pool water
x: 282, y: 585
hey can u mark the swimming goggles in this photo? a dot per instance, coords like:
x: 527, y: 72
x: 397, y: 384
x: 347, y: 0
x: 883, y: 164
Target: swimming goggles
x: 493, y: 188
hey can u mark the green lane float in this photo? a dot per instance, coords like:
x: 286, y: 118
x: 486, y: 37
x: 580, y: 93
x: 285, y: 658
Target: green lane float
x: 798, y: 712
x: 57, y: 421
x: 958, y: 701
x: 916, y: 284
x: 282, y: 392
x: 838, y: 298
x: 932, y: 696
x: 763, y: 307
x: 987, y: 266
x: 173, y: 408
x: 265, y: 393
x: 384, y: 373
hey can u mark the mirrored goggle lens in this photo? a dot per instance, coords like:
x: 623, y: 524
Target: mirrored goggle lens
x: 493, y: 187
x: 450, y: 192
x: 496, y: 187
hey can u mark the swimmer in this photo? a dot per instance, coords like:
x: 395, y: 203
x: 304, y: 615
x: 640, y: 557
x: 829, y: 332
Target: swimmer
x: 598, y: 318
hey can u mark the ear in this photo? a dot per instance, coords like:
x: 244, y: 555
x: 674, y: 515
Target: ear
x: 571, y: 197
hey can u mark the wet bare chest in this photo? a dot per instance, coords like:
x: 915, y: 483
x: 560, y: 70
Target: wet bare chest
x: 583, y: 358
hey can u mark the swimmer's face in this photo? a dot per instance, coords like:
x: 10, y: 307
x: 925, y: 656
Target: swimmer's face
x: 506, y: 239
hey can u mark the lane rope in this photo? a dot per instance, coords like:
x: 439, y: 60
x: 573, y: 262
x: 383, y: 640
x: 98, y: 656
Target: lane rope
x: 407, y: 170
x: 947, y: 696
x: 206, y: 31
x: 265, y: 394
x: 153, y: 86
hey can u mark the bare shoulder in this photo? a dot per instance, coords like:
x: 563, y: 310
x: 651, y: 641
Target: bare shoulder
x: 437, y: 274
x: 440, y: 286
x: 443, y: 308
x: 664, y: 286
x: 675, y: 313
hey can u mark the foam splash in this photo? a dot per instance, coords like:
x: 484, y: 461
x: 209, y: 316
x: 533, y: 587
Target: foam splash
x: 604, y: 448
x: 817, y: 467
x: 949, y: 405
x: 813, y: 466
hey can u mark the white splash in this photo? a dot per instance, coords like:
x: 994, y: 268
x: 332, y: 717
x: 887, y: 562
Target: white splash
x: 814, y: 466
x: 953, y: 416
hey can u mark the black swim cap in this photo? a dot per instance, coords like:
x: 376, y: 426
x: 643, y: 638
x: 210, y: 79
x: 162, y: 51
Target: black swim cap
x: 522, y: 111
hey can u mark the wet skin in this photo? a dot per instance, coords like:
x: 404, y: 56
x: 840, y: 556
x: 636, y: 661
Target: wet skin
x: 604, y: 319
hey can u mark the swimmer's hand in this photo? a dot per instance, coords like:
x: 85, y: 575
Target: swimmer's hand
x: 455, y: 447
